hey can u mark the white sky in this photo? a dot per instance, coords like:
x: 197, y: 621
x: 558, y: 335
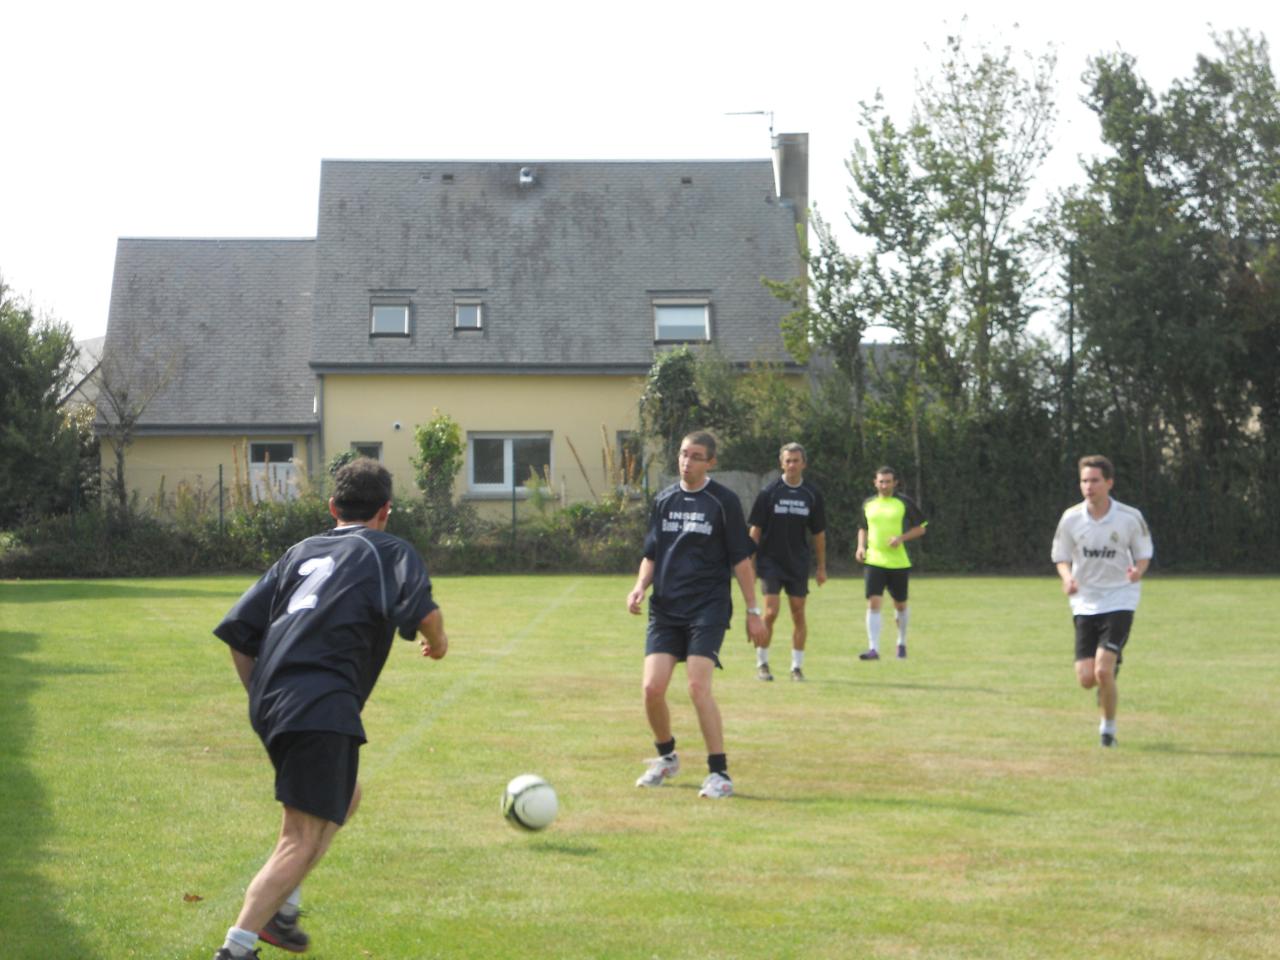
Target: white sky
x: 180, y: 119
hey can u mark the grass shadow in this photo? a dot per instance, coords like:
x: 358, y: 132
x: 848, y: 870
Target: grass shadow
x: 1167, y: 747
x: 34, y: 927
x: 67, y: 591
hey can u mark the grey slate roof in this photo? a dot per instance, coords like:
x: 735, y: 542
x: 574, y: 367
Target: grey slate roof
x: 233, y: 317
x: 567, y: 266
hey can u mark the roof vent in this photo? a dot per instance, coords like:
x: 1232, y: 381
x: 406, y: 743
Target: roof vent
x: 526, y: 176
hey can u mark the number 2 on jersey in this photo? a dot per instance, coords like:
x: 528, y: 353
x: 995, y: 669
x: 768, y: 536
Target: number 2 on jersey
x: 317, y: 571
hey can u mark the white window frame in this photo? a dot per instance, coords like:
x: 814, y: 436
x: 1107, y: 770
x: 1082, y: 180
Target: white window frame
x: 682, y: 302
x: 508, y: 460
x: 274, y: 480
x: 376, y: 306
x: 458, y: 304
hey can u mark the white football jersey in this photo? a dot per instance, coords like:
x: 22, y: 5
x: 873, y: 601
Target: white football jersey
x: 1100, y: 553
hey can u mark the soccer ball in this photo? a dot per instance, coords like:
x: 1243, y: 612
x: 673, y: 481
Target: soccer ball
x: 529, y: 802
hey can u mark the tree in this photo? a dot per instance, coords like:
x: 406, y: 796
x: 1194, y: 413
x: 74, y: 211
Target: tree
x: 38, y: 444
x: 131, y: 375
x: 981, y: 132
x: 1180, y: 332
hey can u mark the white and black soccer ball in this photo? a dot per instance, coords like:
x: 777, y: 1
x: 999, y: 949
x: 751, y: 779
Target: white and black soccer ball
x: 529, y: 802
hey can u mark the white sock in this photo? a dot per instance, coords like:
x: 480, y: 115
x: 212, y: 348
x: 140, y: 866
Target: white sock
x: 1107, y: 726
x: 902, y: 627
x: 762, y: 656
x: 873, y: 629
x: 293, y: 904
x: 797, y: 658
x: 240, y: 942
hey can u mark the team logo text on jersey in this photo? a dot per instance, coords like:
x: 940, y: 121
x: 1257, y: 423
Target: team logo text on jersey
x: 799, y: 508
x: 1103, y: 553
x: 688, y: 521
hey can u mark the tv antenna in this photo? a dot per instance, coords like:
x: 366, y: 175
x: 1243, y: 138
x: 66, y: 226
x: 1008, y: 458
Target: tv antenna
x: 754, y: 113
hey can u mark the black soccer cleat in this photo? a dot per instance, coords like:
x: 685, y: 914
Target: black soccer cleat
x: 1108, y: 739
x: 285, y: 933
x: 224, y: 953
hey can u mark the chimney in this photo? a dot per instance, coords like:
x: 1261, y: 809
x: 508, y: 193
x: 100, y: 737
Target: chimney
x: 791, y: 168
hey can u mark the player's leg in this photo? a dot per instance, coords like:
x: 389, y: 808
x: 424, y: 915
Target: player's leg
x: 772, y: 606
x: 704, y: 656
x: 799, y: 631
x: 1086, y: 650
x: 700, y: 670
x: 658, y: 668
x: 898, y: 582
x: 875, y: 581
x: 1112, y: 637
x: 316, y: 783
x: 1104, y: 669
x: 303, y: 839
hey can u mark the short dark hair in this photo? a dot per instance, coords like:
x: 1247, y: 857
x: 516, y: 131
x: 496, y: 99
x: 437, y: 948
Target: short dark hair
x: 1101, y: 462
x: 889, y: 470
x: 360, y: 489
x: 703, y: 438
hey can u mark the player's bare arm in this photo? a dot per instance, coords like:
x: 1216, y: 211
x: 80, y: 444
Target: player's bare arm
x: 1069, y: 585
x: 820, y: 551
x: 1138, y: 570
x: 432, y: 638
x: 244, y: 666
x: 643, y: 578
x: 861, y: 553
x: 745, y: 571
x: 915, y: 533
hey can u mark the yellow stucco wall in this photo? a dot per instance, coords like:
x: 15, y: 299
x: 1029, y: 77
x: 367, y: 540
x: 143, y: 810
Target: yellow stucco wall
x: 365, y: 409
x: 153, y: 461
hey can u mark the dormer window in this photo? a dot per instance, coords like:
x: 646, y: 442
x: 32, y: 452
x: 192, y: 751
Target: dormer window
x: 468, y: 314
x: 389, y: 320
x: 681, y: 320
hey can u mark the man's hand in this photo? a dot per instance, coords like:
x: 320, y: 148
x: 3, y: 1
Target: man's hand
x: 757, y: 633
x: 635, y: 599
x: 860, y: 554
x: 1070, y: 587
x: 434, y: 648
x: 822, y: 576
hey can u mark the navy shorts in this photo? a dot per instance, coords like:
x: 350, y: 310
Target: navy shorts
x: 775, y: 585
x: 877, y: 578
x: 316, y: 772
x: 684, y: 640
x: 1110, y: 631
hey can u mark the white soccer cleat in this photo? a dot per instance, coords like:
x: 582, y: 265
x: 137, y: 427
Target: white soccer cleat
x: 660, y: 770
x: 716, y: 786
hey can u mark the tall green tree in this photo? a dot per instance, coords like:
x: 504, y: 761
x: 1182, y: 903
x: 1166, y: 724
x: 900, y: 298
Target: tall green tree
x: 982, y: 129
x: 39, y: 446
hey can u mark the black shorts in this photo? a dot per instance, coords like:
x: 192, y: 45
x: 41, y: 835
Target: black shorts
x: 877, y: 578
x: 1110, y: 631
x: 775, y: 585
x: 684, y: 640
x: 316, y: 772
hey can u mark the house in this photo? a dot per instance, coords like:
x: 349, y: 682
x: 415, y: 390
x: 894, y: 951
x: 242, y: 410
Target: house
x: 525, y: 300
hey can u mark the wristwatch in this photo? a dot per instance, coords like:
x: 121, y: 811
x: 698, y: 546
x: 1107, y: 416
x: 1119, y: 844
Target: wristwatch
x: 756, y: 610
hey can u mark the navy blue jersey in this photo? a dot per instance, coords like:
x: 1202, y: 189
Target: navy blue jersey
x: 319, y: 625
x: 695, y: 540
x: 784, y: 514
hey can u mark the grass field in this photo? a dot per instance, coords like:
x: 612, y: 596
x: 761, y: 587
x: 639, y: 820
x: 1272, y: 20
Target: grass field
x: 952, y: 805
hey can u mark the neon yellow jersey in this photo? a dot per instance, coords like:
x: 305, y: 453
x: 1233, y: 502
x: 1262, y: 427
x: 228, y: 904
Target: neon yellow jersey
x: 885, y: 518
